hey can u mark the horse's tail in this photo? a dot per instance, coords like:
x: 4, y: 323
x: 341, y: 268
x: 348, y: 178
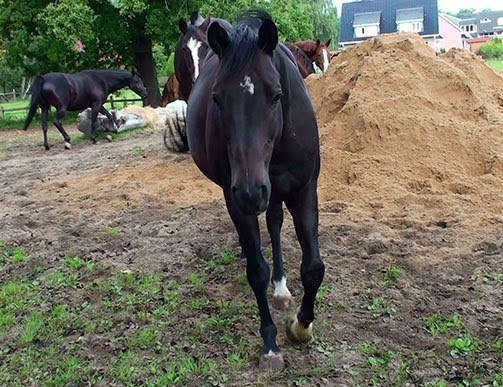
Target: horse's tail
x: 36, y: 92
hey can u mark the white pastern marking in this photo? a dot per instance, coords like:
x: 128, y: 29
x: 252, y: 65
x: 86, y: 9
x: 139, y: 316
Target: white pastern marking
x: 193, y: 45
x: 280, y: 289
x: 325, y: 60
x: 248, y: 85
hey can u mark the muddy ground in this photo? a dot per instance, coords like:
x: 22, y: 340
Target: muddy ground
x: 60, y: 202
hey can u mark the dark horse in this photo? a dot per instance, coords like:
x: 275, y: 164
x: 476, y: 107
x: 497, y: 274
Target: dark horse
x: 78, y: 91
x: 170, y: 91
x: 191, y: 49
x: 304, y: 63
x: 317, y: 51
x: 252, y: 130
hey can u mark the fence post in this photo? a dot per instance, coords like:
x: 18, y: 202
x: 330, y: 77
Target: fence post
x: 112, y: 102
x: 14, y: 94
x: 1, y: 112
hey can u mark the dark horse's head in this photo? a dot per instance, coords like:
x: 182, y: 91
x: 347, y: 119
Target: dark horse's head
x: 190, y: 51
x: 136, y: 84
x: 247, y: 96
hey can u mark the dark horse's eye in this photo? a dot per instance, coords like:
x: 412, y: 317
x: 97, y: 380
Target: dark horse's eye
x: 277, y: 97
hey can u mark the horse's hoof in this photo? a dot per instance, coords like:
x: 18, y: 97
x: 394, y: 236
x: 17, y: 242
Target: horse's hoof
x: 109, y: 138
x: 281, y: 302
x: 47, y: 147
x: 271, y: 362
x: 68, y: 145
x: 296, y: 332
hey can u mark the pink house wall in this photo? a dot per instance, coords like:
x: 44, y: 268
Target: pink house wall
x: 450, y: 33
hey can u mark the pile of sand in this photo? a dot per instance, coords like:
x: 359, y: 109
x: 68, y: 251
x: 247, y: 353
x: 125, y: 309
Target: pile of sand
x: 403, y: 129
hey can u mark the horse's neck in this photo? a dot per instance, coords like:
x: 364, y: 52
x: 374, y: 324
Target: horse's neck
x: 308, y: 47
x: 116, y: 80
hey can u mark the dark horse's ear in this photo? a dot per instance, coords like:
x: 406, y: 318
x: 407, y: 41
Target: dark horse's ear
x: 218, y: 38
x: 318, y: 42
x: 205, y: 25
x: 328, y: 42
x: 182, y: 25
x: 268, y: 36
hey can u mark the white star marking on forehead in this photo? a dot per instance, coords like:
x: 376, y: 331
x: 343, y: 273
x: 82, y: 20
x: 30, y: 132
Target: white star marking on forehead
x: 248, y: 85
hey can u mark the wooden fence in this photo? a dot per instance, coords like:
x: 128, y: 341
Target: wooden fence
x: 113, y: 103
x: 7, y: 97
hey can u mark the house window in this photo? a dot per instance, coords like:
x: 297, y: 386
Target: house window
x: 416, y: 27
x: 471, y: 28
x: 363, y: 31
x: 463, y: 28
x: 485, y: 20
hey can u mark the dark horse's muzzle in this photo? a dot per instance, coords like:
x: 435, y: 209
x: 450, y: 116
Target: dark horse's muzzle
x: 252, y: 199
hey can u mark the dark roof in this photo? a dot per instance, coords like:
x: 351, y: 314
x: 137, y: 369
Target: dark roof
x: 409, y: 14
x: 388, y: 9
x: 475, y: 18
x: 367, y: 19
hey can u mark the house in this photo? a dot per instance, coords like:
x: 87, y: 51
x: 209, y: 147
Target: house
x: 451, y: 33
x: 481, y: 27
x: 361, y: 20
x: 480, y: 24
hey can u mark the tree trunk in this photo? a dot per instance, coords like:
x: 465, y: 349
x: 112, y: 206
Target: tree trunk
x: 146, y: 67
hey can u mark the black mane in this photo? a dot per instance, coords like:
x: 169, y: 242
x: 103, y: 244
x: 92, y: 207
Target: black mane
x: 242, y: 53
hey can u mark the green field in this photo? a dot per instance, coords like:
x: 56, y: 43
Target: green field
x: 496, y: 64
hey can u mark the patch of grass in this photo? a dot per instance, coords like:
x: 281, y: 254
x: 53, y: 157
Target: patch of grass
x: 390, y: 276
x: 496, y: 64
x: 13, y: 255
x: 378, y: 306
x: 32, y: 327
x: 112, y: 230
x: 463, y: 345
x: 61, y: 278
x: 436, y: 324
x: 377, y: 359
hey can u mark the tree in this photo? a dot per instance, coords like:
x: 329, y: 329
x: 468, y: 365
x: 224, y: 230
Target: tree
x: 38, y: 36
x: 492, y: 49
x: 465, y: 11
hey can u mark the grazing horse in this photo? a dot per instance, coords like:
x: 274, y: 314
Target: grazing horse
x: 191, y: 49
x: 170, y: 92
x: 304, y: 63
x: 78, y: 91
x: 317, y: 51
x: 252, y: 130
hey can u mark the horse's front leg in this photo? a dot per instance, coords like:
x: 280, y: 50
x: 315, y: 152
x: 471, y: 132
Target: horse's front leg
x: 304, y: 209
x: 258, y: 272
x: 60, y: 113
x: 274, y: 217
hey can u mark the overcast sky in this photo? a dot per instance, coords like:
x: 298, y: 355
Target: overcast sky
x: 452, y: 5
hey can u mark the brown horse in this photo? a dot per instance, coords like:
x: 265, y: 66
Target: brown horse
x: 170, y: 92
x: 317, y: 51
x: 304, y: 63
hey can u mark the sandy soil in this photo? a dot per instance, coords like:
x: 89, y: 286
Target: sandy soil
x: 412, y: 177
